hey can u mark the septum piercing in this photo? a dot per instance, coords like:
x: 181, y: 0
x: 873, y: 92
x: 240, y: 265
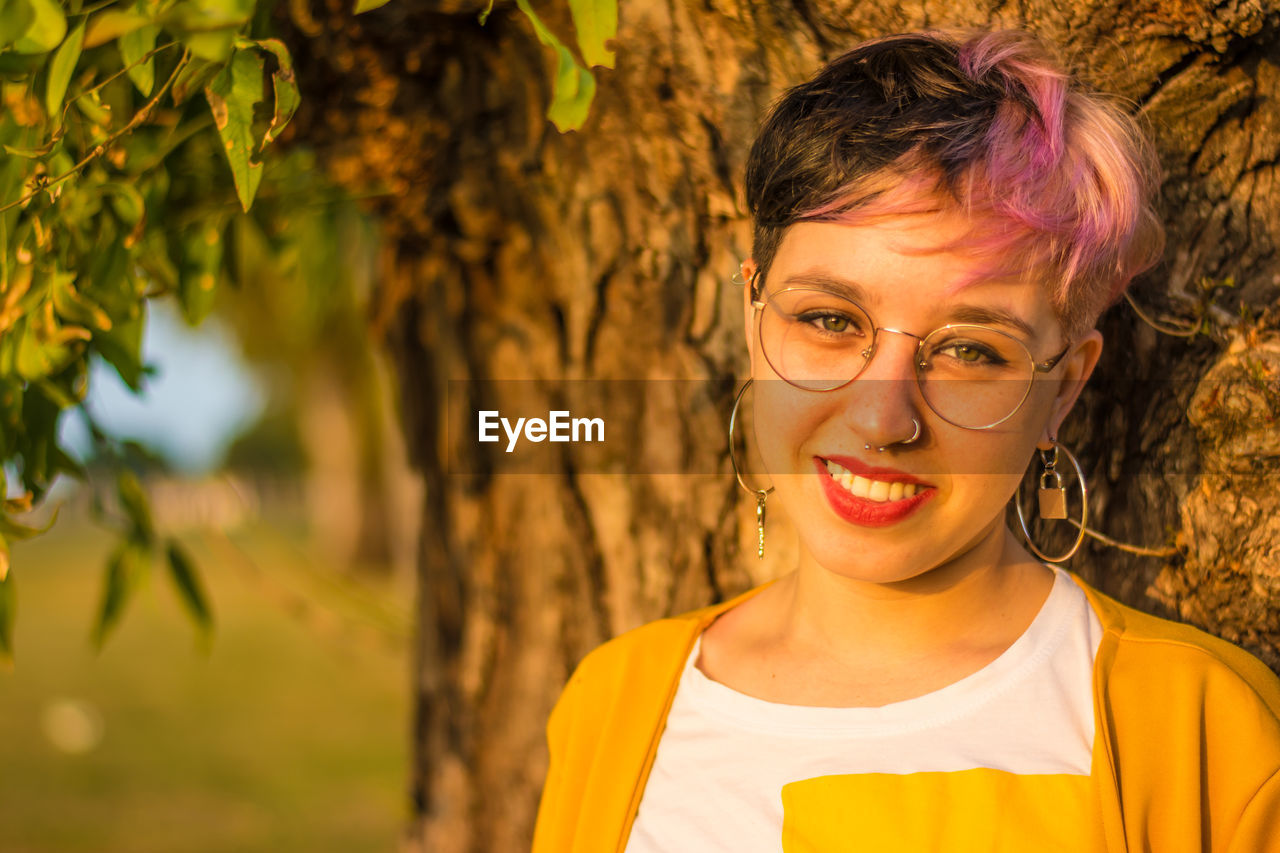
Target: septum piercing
x: 915, y: 435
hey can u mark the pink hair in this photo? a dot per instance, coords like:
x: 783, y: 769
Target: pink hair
x: 1058, y: 185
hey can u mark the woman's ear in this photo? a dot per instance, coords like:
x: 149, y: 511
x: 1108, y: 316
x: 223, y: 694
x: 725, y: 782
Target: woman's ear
x: 748, y: 271
x: 1078, y: 365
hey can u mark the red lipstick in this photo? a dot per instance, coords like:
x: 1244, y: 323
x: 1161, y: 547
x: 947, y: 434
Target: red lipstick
x: 861, y: 469
x: 863, y: 511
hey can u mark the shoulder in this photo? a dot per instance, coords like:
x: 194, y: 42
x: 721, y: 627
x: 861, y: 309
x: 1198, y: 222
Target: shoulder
x: 636, y: 653
x: 648, y: 651
x: 1158, y: 655
x: 1189, y: 726
x: 635, y: 669
x: 1168, y: 694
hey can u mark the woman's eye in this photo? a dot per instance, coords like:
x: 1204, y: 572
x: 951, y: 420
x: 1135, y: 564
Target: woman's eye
x: 972, y: 354
x: 836, y: 324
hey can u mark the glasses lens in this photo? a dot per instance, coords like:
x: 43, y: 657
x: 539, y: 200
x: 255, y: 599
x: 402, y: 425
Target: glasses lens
x: 814, y: 339
x: 974, y: 376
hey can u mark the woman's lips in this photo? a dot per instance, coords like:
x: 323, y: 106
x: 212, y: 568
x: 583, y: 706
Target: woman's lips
x: 861, y: 469
x: 887, y: 500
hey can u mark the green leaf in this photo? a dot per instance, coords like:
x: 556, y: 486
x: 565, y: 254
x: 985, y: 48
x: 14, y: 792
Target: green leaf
x: 20, y: 64
x: 207, y: 27
x: 192, y: 78
x: 122, y: 349
x: 232, y: 96
x: 60, y: 70
x: 35, y: 359
x: 202, y: 249
x: 127, y: 202
x: 91, y: 107
x: 8, y: 608
x: 12, y: 531
x: 208, y: 15
x: 62, y: 463
x: 47, y: 30
x: 285, y: 86
x: 32, y: 153
x: 133, y: 500
x: 111, y: 24
x: 125, y: 569
x: 573, y: 88
x: 74, y: 307
x: 135, y: 45
x: 369, y: 5
x: 596, y: 22
x: 214, y: 46
x: 190, y: 591
x: 16, y: 17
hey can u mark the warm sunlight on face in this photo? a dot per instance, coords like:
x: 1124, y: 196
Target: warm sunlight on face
x: 940, y: 499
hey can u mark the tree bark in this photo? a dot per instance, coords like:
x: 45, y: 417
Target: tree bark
x: 605, y: 254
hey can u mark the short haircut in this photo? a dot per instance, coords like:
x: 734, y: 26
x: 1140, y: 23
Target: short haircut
x: 1058, y: 182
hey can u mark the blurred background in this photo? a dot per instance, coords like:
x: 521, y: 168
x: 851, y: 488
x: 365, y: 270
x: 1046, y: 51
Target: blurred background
x: 266, y: 442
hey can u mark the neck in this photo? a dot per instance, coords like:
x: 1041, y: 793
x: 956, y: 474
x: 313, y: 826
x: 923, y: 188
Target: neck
x: 976, y: 603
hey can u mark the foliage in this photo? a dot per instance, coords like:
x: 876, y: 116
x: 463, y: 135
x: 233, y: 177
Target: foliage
x: 134, y: 137
x: 573, y: 86
x: 112, y: 192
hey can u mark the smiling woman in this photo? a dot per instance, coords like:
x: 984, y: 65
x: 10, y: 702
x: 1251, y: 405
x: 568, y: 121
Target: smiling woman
x: 939, y: 221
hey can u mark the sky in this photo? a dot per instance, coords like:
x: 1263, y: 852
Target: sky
x: 200, y: 398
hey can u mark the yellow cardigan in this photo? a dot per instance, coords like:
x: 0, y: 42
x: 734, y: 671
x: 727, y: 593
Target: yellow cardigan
x: 1186, y: 755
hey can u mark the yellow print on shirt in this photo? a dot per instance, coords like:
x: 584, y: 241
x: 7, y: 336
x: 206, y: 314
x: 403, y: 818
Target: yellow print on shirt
x: 968, y: 811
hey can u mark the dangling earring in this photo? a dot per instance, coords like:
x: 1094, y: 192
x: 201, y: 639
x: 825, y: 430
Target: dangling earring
x: 1052, y: 496
x: 760, y: 494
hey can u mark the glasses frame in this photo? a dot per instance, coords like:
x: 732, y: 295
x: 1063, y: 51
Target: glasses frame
x: 1046, y: 366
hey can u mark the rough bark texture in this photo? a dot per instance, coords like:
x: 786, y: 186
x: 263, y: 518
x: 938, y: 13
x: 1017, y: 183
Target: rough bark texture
x: 522, y: 253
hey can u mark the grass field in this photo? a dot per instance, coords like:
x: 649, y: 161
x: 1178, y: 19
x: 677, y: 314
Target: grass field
x: 289, y: 733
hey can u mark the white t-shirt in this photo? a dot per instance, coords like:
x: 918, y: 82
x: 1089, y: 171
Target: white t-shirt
x: 724, y: 758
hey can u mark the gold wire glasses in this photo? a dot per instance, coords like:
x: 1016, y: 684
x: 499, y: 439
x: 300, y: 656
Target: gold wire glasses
x: 970, y: 375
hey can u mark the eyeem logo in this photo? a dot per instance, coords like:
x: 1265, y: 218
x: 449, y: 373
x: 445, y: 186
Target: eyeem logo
x: 559, y: 426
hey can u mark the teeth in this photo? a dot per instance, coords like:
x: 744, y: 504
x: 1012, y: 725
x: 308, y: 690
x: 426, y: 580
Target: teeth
x: 879, y: 491
x: 876, y: 490
x: 861, y: 487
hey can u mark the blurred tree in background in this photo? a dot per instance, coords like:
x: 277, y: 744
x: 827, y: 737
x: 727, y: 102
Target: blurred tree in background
x: 506, y: 249
x: 302, y: 265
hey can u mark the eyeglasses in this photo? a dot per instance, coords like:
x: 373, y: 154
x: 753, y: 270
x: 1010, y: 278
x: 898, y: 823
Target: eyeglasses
x: 970, y: 375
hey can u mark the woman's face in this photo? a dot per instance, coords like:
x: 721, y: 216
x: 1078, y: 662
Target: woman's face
x: 963, y: 477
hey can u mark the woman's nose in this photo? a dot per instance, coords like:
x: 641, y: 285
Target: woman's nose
x: 884, y: 400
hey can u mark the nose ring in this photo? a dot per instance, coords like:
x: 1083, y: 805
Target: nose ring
x: 915, y: 435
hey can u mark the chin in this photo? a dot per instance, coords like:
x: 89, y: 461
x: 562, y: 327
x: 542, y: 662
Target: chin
x: 869, y: 556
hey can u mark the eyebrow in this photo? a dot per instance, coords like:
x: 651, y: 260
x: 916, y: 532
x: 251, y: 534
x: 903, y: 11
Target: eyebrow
x: 852, y: 290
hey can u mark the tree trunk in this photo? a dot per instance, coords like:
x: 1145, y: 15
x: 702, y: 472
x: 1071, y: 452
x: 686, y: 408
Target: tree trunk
x: 519, y: 253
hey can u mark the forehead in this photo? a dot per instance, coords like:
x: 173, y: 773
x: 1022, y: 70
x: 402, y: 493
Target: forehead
x: 895, y: 264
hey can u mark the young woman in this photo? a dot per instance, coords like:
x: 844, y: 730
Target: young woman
x: 939, y: 221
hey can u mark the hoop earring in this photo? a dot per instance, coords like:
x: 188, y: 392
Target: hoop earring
x: 1053, y: 500
x: 760, y: 494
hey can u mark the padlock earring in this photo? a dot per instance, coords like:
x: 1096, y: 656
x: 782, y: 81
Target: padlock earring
x: 1052, y: 498
x: 1052, y: 495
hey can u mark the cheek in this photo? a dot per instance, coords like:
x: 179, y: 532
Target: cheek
x: 1038, y: 409
x: 985, y: 467
x: 783, y: 418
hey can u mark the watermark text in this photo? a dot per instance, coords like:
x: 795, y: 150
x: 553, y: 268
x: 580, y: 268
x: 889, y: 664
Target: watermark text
x: 559, y: 426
